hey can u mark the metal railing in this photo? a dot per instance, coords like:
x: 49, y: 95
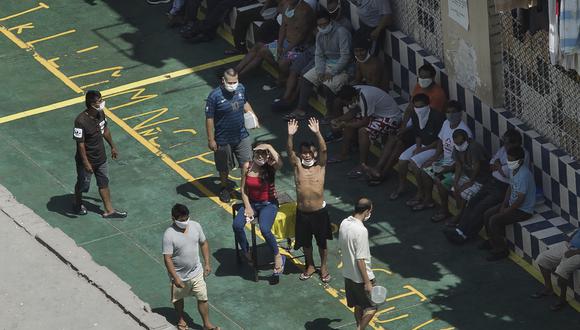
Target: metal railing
x: 421, y: 20
x: 545, y: 96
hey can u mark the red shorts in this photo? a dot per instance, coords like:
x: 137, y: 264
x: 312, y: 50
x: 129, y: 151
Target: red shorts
x: 380, y: 126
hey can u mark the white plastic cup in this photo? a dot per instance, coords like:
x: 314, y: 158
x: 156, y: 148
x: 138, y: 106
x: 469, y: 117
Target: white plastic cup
x: 378, y: 294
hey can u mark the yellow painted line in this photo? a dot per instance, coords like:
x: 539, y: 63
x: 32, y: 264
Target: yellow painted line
x: 115, y: 68
x: 94, y: 84
x: 22, y: 27
x: 40, y: 6
x: 57, y: 73
x: 13, y: 38
x: 52, y: 62
x: 84, y: 50
x: 115, y: 90
x: 423, y: 324
x: 30, y: 43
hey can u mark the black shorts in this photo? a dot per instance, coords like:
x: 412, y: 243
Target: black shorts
x: 310, y: 224
x: 357, y: 296
x: 101, y: 173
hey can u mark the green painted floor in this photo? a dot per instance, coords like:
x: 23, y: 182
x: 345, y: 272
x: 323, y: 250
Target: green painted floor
x: 431, y: 284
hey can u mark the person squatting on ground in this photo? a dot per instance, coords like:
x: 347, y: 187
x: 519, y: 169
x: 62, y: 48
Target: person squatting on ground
x: 359, y: 279
x: 312, y: 217
x: 226, y: 134
x: 90, y: 127
x: 260, y: 200
x: 181, y: 244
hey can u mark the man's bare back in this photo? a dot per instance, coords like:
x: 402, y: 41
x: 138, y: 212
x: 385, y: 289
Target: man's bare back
x: 300, y: 25
x: 309, y: 187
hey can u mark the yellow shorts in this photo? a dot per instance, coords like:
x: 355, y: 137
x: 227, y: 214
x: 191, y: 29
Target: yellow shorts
x: 194, y: 287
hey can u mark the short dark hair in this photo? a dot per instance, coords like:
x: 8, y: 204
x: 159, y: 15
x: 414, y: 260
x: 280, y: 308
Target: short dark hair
x: 516, y: 152
x: 347, y: 92
x: 460, y: 132
x: 424, y: 98
x: 455, y: 105
x: 91, y: 97
x: 323, y: 13
x: 513, y: 136
x: 307, y: 144
x: 230, y: 72
x: 179, y: 211
x: 362, y: 204
x: 429, y: 68
x: 361, y: 42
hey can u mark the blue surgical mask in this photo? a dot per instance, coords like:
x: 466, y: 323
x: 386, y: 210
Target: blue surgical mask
x: 289, y: 12
x: 326, y: 29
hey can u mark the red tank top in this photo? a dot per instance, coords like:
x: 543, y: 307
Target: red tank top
x: 258, y: 192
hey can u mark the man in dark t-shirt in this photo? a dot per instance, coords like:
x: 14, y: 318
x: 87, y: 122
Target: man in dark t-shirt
x: 91, y: 158
x: 227, y: 135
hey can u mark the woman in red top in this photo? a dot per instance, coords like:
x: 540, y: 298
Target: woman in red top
x: 259, y: 197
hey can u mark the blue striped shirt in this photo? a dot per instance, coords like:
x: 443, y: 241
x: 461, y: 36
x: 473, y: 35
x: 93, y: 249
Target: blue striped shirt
x: 227, y: 111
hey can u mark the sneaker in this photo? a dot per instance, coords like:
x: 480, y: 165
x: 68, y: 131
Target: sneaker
x: 332, y: 137
x: 80, y: 210
x: 158, y: 2
x: 225, y: 195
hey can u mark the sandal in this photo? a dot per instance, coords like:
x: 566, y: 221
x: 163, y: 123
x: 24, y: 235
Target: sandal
x: 305, y: 276
x: 355, y: 173
x: 423, y: 206
x: 439, y: 217
x: 326, y: 278
x: 182, y: 326
x: 541, y: 294
x: 281, y: 271
x: 394, y: 196
x: 294, y: 115
x: 558, y: 306
x: 413, y: 202
x: 116, y: 214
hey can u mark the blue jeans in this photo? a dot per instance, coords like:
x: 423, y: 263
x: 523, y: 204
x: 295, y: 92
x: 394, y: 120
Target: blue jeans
x: 266, y: 212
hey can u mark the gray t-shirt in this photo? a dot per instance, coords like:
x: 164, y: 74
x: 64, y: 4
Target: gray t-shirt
x: 370, y: 12
x: 184, y: 249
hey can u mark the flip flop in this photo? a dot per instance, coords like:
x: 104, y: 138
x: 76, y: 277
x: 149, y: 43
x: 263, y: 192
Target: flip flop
x: 421, y: 207
x: 334, y: 160
x: 558, y: 306
x: 326, y: 278
x: 305, y: 276
x: 354, y: 173
x: 394, y: 196
x: 281, y: 271
x: 293, y: 115
x: 182, y: 326
x: 439, y: 217
x: 540, y: 294
x: 413, y: 202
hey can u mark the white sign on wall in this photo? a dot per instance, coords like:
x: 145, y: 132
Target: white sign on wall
x: 458, y: 11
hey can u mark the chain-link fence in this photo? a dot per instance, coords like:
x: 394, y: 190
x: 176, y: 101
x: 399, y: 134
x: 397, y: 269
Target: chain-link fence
x: 421, y: 20
x: 544, y: 96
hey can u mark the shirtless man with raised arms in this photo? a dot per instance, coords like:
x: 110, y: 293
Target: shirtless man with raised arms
x: 311, y: 215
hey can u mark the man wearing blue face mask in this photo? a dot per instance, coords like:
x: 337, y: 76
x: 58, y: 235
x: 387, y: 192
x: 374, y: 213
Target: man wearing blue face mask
x: 518, y: 205
x: 181, y: 244
x: 226, y: 133
x: 332, y: 64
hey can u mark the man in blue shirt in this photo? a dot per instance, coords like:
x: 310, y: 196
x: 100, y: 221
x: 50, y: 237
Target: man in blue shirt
x: 518, y: 205
x: 563, y: 259
x: 226, y: 133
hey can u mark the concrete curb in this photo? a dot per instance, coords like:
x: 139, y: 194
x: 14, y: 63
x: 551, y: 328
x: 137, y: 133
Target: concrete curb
x: 81, y: 261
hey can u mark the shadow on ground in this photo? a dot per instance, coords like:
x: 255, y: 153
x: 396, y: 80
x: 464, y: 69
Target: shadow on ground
x: 63, y: 205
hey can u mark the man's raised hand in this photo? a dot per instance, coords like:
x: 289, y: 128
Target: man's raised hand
x: 313, y: 125
x: 292, y: 127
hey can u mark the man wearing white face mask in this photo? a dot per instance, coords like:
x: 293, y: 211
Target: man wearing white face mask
x: 353, y: 242
x: 426, y: 85
x: 518, y: 205
x: 181, y: 244
x: 226, y: 134
x: 312, y: 217
x: 91, y: 157
x: 370, y: 70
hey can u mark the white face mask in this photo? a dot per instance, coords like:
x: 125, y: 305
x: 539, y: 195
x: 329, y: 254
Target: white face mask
x: 425, y: 82
x: 308, y: 163
x: 101, y: 106
x: 182, y: 224
x: 325, y: 30
x: 513, y: 165
x: 259, y: 162
x: 422, y: 115
x: 462, y: 147
x: 368, y: 216
x: 352, y: 105
x: 230, y: 87
x: 365, y: 59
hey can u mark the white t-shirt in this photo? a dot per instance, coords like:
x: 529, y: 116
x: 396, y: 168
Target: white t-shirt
x: 353, y: 240
x: 446, y: 136
x: 501, y: 154
x: 370, y: 12
x: 376, y: 102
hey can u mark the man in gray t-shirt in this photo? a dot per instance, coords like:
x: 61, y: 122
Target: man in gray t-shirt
x: 181, y: 243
